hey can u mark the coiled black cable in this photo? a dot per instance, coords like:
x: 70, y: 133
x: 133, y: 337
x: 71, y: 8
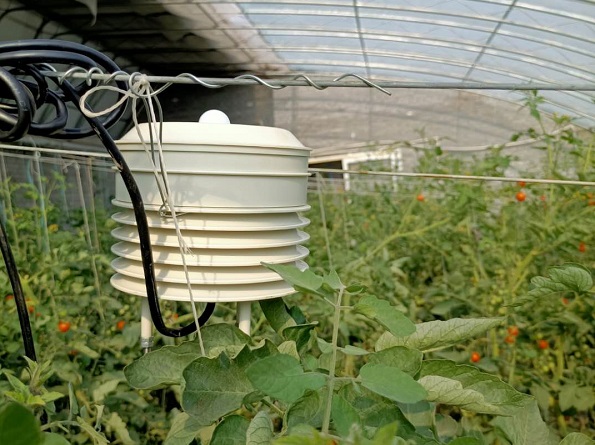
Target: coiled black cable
x: 23, y: 90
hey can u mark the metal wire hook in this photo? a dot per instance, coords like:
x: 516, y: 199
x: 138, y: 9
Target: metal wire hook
x: 309, y: 81
x: 364, y: 80
x: 114, y: 75
x: 198, y: 81
x: 260, y: 81
x: 74, y: 69
x: 90, y: 72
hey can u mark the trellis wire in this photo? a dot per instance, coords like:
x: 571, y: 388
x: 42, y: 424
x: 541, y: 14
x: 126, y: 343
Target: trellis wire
x: 81, y: 193
x: 455, y: 177
x: 319, y: 84
x: 107, y: 167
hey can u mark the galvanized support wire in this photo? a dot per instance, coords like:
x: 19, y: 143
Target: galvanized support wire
x: 319, y: 84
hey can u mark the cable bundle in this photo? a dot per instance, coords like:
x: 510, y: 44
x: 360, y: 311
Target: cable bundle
x: 23, y: 90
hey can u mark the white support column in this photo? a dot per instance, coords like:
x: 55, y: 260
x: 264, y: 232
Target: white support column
x: 244, y: 314
x: 146, y: 326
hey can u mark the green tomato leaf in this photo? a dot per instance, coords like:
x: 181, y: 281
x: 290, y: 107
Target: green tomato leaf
x: 249, y: 355
x: 385, y: 434
x: 164, y: 366
x: 213, y: 388
x: 94, y: 435
x: 333, y: 281
x: 303, y: 435
x: 577, y: 439
x: 18, y: 426
x: 304, y: 281
x: 277, y: 314
x: 385, y: 314
x: 104, y: 389
x: 405, y: 359
x: 308, y: 409
x: 525, y: 426
x: 353, y: 350
x: 223, y: 337
x: 161, y: 367
x: 580, y: 397
x: 299, y: 334
x: 184, y: 430
x: 344, y: 415
x: 118, y: 426
x: 289, y: 347
x: 282, y: 377
x: 392, y: 383
x: 230, y: 431
x: 567, y: 277
x: 467, y: 387
x: 260, y: 430
x: 51, y: 396
x: 53, y: 439
x: 84, y: 349
x: 465, y: 441
x: 434, y: 335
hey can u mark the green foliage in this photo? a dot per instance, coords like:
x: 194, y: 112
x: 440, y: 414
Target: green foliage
x: 384, y: 360
x: 304, y: 389
x: 18, y: 426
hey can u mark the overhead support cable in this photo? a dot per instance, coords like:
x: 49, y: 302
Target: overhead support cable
x: 302, y: 80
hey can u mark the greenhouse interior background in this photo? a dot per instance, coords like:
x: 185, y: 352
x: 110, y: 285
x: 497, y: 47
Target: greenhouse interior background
x: 452, y: 167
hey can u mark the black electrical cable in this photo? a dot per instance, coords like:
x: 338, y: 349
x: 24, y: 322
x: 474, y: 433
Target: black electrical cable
x: 19, y: 297
x: 21, y: 98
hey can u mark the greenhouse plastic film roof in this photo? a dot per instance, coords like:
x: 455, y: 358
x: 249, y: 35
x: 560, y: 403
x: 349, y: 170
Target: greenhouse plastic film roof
x: 435, y: 41
x: 484, y: 41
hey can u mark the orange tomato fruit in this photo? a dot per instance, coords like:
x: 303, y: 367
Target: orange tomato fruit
x: 513, y: 330
x: 420, y: 198
x: 475, y: 357
x: 521, y: 183
x: 521, y: 196
x: 63, y: 326
x: 120, y: 325
x: 543, y: 344
x: 582, y: 247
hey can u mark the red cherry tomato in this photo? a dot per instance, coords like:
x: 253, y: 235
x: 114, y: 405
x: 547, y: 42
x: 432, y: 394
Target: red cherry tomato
x: 510, y: 339
x: 64, y: 326
x: 521, y: 196
x: 475, y: 357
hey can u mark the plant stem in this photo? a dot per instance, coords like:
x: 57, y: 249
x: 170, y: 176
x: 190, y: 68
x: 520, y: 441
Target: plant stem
x: 331, y: 376
x: 273, y: 407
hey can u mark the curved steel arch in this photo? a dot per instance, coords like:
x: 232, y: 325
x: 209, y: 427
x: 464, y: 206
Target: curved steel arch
x: 452, y: 24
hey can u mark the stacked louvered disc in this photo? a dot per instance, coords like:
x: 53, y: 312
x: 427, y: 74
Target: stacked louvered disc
x: 238, y: 191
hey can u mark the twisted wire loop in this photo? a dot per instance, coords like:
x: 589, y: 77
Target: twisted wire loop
x: 364, y: 80
x: 244, y: 79
x: 309, y: 81
x: 25, y: 68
